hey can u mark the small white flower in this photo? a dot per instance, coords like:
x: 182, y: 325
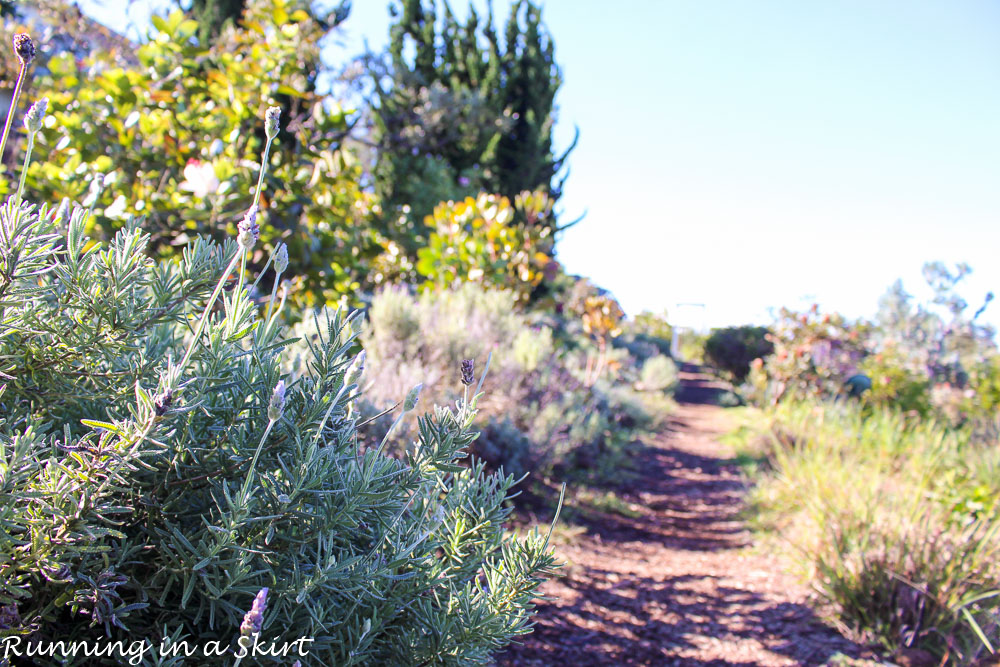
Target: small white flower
x: 357, y: 368
x: 200, y: 179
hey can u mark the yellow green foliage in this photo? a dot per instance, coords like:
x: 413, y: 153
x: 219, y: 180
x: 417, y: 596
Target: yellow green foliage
x: 177, y: 139
x: 894, y: 383
x: 480, y: 240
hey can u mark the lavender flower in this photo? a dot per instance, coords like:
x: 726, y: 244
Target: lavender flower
x: 411, y: 399
x: 468, y: 372
x: 253, y: 620
x: 162, y: 402
x: 63, y: 212
x: 272, y: 122
x: 36, y: 112
x: 281, y: 258
x: 277, y: 406
x: 249, y: 230
x: 9, y: 617
x: 356, y: 368
x: 24, y: 48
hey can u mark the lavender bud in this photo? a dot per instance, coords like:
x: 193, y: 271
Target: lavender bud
x: 249, y: 230
x: 468, y: 372
x: 411, y: 399
x: 272, y: 122
x: 253, y: 620
x: 24, y: 48
x: 36, y: 112
x: 357, y: 324
x: 281, y: 258
x: 63, y: 212
x: 356, y: 369
x: 162, y: 402
x: 10, y: 618
x: 277, y: 406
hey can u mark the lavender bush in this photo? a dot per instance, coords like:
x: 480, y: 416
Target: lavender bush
x: 162, y: 477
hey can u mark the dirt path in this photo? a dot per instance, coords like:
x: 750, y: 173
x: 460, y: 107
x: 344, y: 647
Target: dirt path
x: 677, y: 585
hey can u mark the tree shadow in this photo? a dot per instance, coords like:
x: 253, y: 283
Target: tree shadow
x: 697, y: 388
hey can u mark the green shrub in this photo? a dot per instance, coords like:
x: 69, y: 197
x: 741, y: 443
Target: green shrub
x: 162, y: 477
x: 691, y: 346
x: 894, y: 382
x: 658, y: 373
x: 546, y: 417
x: 733, y: 348
x: 652, y: 325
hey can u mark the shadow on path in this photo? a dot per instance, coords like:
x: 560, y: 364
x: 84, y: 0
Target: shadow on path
x: 675, y: 585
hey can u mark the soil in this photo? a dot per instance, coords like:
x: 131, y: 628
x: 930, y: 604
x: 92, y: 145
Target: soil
x: 678, y: 582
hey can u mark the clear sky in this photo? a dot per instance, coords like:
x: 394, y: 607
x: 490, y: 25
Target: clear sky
x: 749, y: 155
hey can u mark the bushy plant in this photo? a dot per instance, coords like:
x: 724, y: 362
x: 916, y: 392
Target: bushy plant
x: 601, y: 318
x: 731, y: 349
x: 174, y: 138
x: 479, y: 240
x: 654, y: 325
x: 895, y: 519
x: 691, y: 345
x: 658, y: 373
x: 162, y: 479
x: 916, y: 357
x: 545, y: 418
x: 814, y: 355
x: 894, y: 382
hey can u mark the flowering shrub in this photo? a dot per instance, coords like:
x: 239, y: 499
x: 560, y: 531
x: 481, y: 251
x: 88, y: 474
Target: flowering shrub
x: 814, y: 355
x: 480, y: 240
x: 601, y: 317
x: 162, y: 478
x: 932, y: 359
x: 175, y: 139
x: 894, y: 382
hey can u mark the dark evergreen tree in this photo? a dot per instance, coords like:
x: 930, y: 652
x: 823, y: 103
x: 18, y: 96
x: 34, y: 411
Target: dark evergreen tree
x: 459, y: 109
x: 212, y: 15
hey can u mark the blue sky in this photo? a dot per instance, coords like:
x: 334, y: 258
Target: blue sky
x: 748, y: 155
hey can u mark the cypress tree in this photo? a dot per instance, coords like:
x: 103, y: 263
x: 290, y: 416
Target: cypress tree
x: 212, y: 15
x: 465, y: 108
